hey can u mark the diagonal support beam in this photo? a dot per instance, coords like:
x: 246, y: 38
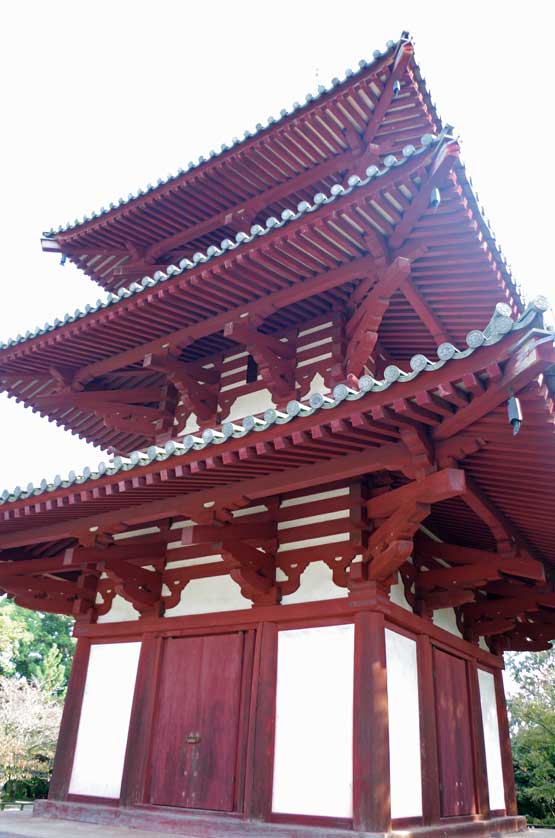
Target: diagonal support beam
x: 444, y: 161
x: 363, y: 327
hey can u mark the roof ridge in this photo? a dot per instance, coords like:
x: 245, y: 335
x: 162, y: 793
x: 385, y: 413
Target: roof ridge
x: 297, y: 107
x: 500, y: 325
x: 287, y: 216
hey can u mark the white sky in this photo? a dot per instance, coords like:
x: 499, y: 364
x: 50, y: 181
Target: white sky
x: 101, y: 98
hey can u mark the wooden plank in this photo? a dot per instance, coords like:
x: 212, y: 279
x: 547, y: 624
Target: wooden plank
x: 454, y: 735
x: 478, y: 743
x: 137, y: 755
x: 194, y: 759
x: 371, y: 783
x: 431, y: 809
x: 261, y: 763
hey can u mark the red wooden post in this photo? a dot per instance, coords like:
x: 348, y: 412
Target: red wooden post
x: 431, y: 805
x: 371, y: 780
x: 135, y: 769
x: 259, y: 782
x: 505, y: 741
x: 478, y: 743
x: 67, y: 740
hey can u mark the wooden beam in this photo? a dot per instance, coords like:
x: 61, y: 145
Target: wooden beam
x: 270, y: 302
x: 391, y: 456
x: 482, y: 572
x: 522, y: 367
x: 431, y: 489
x: 275, y: 358
x: 425, y: 313
x: 254, y: 205
x: 387, y: 96
x: 362, y: 328
x: 444, y: 161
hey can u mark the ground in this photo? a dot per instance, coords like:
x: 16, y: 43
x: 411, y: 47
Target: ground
x: 23, y: 825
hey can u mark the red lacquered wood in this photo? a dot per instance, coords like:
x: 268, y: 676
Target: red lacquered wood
x: 478, y: 743
x: 67, y: 739
x: 371, y: 783
x: 195, y: 740
x: 135, y: 770
x: 454, y: 735
x: 261, y: 757
x: 431, y: 804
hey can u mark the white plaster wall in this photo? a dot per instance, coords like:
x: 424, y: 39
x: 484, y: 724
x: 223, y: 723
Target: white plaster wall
x: 120, y: 611
x: 446, y: 619
x: 490, y: 722
x: 104, y: 723
x: 397, y: 595
x: 313, y: 763
x: 203, y: 596
x: 316, y: 584
x: 250, y: 404
x: 404, y: 726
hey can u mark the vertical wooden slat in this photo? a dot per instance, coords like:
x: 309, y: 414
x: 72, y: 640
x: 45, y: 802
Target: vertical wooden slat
x: 478, y: 743
x: 505, y: 741
x: 135, y: 769
x: 67, y: 740
x: 371, y: 779
x: 428, y: 732
x: 260, y: 765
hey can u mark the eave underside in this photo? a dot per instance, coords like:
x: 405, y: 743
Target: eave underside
x: 454, y: 470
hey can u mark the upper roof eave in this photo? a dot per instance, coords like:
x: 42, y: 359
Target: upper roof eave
x: 379, y: 59
x: 500, y: 326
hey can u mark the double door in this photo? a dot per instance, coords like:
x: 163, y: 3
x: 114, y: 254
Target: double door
x: 195, y: 758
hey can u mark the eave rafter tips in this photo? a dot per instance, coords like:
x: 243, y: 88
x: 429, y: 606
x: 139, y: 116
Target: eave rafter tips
x: 411, y: 159
x: 500, y: 328
x: 401, y: 49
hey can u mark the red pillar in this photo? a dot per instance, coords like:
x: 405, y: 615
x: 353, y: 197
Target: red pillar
x: 371, y: 778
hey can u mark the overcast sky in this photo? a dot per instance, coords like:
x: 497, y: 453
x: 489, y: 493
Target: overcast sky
x: 101, y: 98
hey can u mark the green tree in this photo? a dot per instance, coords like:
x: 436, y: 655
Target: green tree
x: 26, y: 640
x: 532, y: 717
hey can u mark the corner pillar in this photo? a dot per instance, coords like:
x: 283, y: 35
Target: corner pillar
x: 371, y: 776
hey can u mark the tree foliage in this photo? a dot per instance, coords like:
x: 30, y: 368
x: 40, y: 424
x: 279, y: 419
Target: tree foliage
x: 35, y: 659
x: 35, y: 646
x: 532, y: 717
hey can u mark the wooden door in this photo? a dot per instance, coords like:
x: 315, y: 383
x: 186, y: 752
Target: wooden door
x: 453, y: 735
x: 194, y: 749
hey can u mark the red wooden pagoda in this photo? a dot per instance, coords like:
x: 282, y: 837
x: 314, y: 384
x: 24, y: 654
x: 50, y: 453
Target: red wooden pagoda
x: 330, y: 508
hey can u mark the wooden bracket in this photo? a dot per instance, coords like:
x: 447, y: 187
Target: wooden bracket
x: 275, y: 358
x: 196, y: 385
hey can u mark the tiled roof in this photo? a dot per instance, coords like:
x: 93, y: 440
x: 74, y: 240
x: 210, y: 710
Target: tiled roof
x: 500, y: 325
x: 242, y: 238
x: 297, y: 108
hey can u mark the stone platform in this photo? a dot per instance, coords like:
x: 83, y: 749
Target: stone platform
x: 24, y: 825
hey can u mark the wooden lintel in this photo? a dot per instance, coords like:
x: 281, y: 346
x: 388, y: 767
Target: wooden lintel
x: 481, y: 572
x: 431, y: 489
x: 203, y: 533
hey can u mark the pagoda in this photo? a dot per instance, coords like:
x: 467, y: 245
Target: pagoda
x: 329, y: 505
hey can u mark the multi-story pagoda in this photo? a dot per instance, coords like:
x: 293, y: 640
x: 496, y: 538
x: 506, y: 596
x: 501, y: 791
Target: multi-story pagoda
x: 294, y: 583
